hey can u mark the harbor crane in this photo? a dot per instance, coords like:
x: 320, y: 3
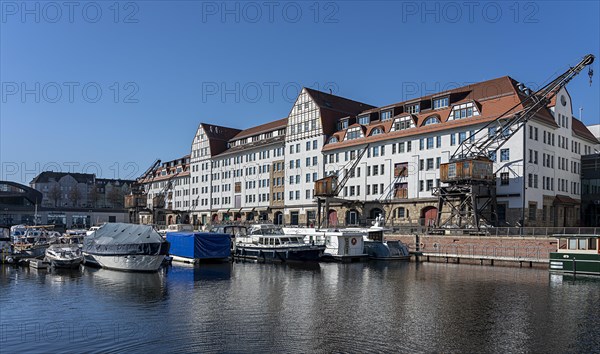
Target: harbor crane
x: 328, y: 188
x: 136, y: 200
x: 469, y: 197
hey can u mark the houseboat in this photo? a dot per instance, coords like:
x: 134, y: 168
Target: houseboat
x: 576, y: 254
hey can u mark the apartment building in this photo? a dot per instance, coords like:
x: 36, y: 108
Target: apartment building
x: 267, y: 172
x: 168, y: 195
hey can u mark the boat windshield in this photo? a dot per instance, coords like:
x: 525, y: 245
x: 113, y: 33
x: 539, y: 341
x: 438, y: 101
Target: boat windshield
x: 268, y: 231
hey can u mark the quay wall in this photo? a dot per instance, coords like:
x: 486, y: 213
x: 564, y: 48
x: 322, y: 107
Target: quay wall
x: 485, y: 246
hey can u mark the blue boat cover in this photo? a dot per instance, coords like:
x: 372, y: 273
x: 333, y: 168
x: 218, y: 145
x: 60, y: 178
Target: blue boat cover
x: 199, y: 245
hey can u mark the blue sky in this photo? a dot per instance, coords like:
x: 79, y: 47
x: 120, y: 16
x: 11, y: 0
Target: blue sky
x: 107, y: 89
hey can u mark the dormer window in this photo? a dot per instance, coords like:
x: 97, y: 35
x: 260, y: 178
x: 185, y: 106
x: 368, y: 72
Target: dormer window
x: 386, y: 115
x: 413, y: 108
x: 342, y: 124
x: 364, y: 120
x: 333, y: 139
x: 376, y: 131
x: 440, y: 102
x: 431, y: 120
x: 354, y: 133
x: 464, y: 110
x: 403, y: 123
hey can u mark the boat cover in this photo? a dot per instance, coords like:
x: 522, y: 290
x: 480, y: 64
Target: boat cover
x: 125, y: 239
x: 199, y: 245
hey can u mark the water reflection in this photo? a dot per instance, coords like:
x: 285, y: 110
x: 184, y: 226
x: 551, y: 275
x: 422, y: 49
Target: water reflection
x: 129, y: 286
x: 251, y: 307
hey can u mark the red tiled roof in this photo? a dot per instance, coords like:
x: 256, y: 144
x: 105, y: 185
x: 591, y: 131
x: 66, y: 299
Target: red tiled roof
x: 337, y: 103
x: 267, y: 127
x: 493, y: 99
x: 580, y: 129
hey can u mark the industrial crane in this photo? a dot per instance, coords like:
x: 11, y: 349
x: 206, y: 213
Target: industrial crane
x: 329, y: 187
x: 468, y: 200
x: 136, y: 200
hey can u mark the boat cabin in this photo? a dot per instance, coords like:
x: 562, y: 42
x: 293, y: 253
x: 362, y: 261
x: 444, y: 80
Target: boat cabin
x: 278, y: 240
x: 576, y: 254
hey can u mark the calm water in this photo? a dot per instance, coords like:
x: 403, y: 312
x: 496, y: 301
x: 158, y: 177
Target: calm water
x: 248, y: 307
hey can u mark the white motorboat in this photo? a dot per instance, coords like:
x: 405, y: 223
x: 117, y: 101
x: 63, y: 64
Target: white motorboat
x: 126, y: 247
x: 32, y: 241
x: 64, y: 256
x: 342, y: 245
x: 269, y: 243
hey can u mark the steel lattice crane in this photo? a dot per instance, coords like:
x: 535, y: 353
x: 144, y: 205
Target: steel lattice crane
x: 329, y: 187
x: 469, y: 199
x: 136, y: 200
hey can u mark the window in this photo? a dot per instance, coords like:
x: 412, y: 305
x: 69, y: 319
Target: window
x: 376, y: 131
x: 462, y: 136
x: 431, y: 120
x: 430, y: 164
x: 452, y: 139
x: 504, y: 155
x: 463, y: 112
x: 430, y: 143
x: 333, y: 139
x: 429, y: 184
x: 421, y: 144
x: 491, y: 132
x: 438, y: 141
x: 403, y: 123
x: 504, y: 179
x: 364, y: 120
x: 413, y: 108
x: 440, y: 102
x: 532, y: 211
x: 386, y: 115
x: 353, y: 134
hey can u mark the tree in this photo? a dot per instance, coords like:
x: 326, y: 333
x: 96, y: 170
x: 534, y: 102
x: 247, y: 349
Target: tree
x: 55, y: 194
x: 74, y: 196
x: 93, y: 196
x: 116, y: 197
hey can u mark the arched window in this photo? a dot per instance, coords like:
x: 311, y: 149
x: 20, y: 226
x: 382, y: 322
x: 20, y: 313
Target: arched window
x: 431, y: 120
x: 376, y: 131
x: 333, y: 139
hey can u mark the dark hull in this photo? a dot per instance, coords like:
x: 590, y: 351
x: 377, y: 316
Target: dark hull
x: 292, y: 254
x: 579, y: 263
x: 66, y: 264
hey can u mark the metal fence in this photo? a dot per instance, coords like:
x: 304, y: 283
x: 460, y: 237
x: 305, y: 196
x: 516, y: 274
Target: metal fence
x: 497, y: 231
x: 474, y: 251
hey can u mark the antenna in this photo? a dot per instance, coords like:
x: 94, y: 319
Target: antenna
x: 580, y: 113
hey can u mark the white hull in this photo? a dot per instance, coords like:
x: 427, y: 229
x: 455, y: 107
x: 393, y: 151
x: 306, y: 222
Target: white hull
x: 136, y: 263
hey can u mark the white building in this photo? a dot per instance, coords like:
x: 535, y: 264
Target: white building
x: 267, y: 172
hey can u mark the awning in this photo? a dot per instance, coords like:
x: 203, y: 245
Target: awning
x: 222, y: 210
x: 564, y: 199
x: 260, y: 209
x: 245, y: 210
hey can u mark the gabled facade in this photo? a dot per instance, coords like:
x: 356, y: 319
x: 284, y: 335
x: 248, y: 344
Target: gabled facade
x: 267, y: 172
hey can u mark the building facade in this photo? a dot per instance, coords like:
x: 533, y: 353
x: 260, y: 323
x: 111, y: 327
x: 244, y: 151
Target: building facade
x: 267, y: 172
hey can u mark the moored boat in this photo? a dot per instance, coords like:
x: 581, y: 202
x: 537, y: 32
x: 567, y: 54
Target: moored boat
x: 6, y: 248
x: 194, y: 247
x: 269, y: 243
x: 341, y: 245
x: 32, y: 241
x: 126, y: 247
x: 576, y: 254
x: 64, y: 256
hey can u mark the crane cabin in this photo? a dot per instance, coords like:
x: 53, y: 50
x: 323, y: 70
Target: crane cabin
x: 478, y: 169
